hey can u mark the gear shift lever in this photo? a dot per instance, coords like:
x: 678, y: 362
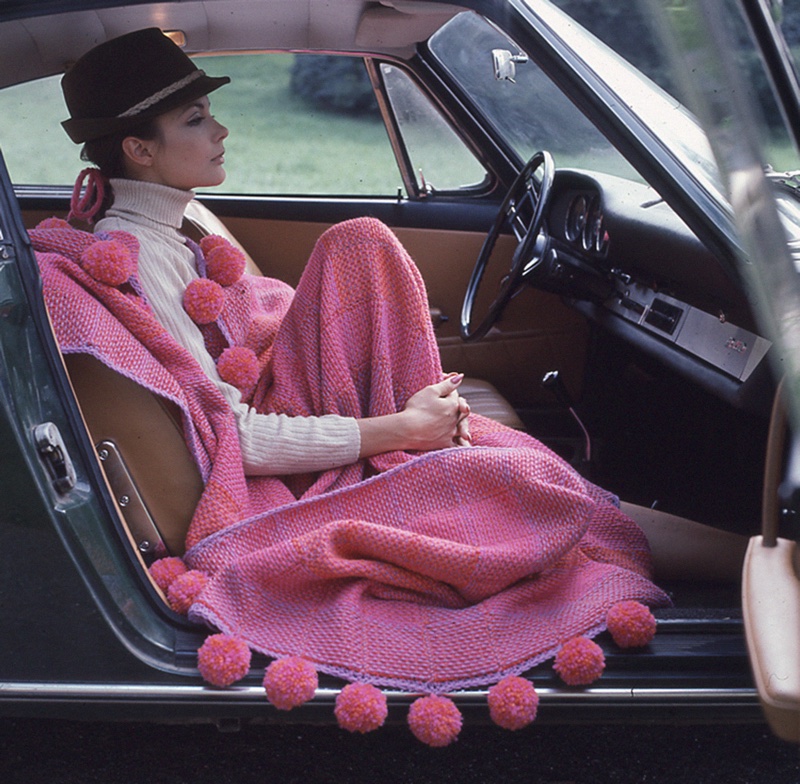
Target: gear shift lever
x: 555, y: 384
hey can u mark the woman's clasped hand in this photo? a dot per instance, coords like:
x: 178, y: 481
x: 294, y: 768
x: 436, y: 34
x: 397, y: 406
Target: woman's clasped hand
x: 435, y: 417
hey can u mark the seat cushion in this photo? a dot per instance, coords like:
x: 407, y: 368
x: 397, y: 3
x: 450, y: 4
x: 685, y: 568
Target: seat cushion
x: 484, y: 399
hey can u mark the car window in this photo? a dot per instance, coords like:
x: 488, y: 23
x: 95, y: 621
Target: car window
x: 299, y: 124
x: 439, y: 158
x: 530, y: 113
x: 302, y: 124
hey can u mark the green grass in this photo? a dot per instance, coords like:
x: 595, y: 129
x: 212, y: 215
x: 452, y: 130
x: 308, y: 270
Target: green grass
x: 281, y: 145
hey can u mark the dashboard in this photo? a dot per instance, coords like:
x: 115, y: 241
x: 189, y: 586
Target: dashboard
x: 621, y: 256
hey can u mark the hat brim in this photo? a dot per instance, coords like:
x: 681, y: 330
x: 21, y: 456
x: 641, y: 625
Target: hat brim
x: 88, y: 129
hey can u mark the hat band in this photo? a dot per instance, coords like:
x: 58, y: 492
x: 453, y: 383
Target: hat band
x: 162, y: 94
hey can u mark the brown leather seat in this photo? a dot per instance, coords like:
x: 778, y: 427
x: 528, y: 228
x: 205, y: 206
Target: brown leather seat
x: 151, y: 472
x: 146, y: 431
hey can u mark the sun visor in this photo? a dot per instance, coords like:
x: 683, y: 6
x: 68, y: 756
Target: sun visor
x: 400, y: 25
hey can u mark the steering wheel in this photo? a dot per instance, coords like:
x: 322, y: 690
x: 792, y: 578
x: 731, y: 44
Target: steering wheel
x: 523, y: 211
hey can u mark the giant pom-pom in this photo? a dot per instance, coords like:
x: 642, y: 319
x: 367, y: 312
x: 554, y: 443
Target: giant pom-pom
x: 360, y: 707
x: 238, y: 365
x: 434, y: 720
x: 185, y: 589
x: 203, y: 300
x: 513, y: 703
x: 211, y: 241
x: 580, y: 661
x: 290, y: 682
x: 108, y: 261
x: 165, y: 571
x: 223, y: 659
x: 53, y: 223
x: 631, y: 624
x: 225, y: 263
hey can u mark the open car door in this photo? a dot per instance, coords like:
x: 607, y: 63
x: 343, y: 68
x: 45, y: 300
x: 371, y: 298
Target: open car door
x: 740, y: 124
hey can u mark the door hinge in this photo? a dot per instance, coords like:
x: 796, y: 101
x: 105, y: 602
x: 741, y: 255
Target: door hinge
x: 54, y: 456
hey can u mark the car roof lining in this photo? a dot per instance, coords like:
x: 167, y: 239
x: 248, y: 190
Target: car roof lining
x: 44, y: 45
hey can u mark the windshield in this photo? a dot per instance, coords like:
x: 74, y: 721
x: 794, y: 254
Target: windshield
x: 749, y: 135
x: 664, y: 114
x: 532, y: 113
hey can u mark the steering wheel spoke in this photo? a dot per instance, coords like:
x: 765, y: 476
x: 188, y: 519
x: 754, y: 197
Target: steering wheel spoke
x: 522, y: 213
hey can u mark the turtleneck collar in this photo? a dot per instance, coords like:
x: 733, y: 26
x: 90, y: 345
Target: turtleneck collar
x: 155, y: 203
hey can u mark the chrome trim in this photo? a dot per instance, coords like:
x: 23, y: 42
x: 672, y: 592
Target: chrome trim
x: 240, y: 694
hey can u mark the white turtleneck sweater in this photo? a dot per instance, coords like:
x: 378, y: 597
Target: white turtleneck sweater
x: 274, y: 444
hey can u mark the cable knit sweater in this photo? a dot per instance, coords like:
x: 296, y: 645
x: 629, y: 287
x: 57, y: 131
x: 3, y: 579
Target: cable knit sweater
x: 272, y: 444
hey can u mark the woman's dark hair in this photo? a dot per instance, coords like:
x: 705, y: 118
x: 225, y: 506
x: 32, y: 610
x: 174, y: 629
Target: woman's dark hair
x: 106, y: 153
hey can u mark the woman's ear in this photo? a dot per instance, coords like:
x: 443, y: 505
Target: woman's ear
x: 137, y: 152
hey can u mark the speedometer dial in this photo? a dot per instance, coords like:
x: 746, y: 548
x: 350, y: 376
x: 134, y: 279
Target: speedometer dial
x: 595, y: 236
x: 576, y: 218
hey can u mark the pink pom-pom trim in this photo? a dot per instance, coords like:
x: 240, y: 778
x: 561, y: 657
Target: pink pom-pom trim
x: 211, y: 241
x: 239, y: 366
x: 53, y: 223
x: 435, y: 720
x: 223, y: 659
x: 108, y: 261
x: 203, y: 300
x: 631, y: 624
x: 513, y: 703
x: 165, y: 571
x: 580, y: 661
x: 185, y: 589
x: 360, y: 707
x: 224, y: 263
x: 290, y: 682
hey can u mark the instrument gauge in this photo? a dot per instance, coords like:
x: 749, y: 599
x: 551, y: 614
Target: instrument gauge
x: 594, y: 233
x: 576, y: 218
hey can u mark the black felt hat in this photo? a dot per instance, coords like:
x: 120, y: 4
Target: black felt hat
x: 127, y: 80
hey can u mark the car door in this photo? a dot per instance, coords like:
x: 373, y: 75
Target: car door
x: 737, y: 122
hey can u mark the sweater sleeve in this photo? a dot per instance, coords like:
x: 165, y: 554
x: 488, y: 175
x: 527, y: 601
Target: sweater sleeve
x: 272, y: 444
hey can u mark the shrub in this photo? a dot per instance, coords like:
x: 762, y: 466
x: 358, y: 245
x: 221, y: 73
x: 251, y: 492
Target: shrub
x: 332, y: 83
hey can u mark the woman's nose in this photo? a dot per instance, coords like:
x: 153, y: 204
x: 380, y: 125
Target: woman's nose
x: 222, y: 131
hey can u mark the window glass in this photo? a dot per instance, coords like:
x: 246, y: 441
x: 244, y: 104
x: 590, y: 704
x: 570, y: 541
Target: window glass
x: 630, y: 32
x: 531, y: 113
x: 439, y: 158
x: 36, y: 149
x: 284, y: 138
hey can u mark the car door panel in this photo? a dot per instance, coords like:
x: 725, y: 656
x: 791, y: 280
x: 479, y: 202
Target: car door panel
x: 536, y: 334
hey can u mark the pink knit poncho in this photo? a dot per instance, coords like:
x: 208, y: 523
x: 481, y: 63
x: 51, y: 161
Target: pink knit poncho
x: 427, y: 572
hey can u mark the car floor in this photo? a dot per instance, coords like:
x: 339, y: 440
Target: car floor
x: 660, y: 442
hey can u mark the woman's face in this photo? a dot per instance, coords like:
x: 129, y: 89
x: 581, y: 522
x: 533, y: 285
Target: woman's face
x: 187, y: 151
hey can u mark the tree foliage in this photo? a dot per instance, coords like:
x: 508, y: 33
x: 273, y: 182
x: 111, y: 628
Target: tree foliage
x: 338, y: 84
